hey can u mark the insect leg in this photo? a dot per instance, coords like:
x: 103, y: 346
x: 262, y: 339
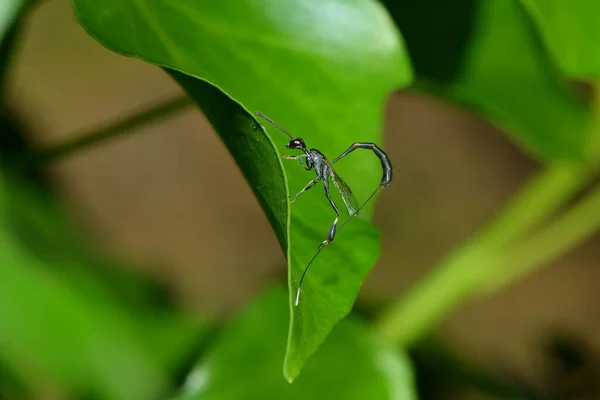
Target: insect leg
x: 310, y: 184
x: 386, y: 164
x: 330, y: 237
x: 360, y: 208
x: 289, y: 157
x: 299, y: 158
x: 331, y: 233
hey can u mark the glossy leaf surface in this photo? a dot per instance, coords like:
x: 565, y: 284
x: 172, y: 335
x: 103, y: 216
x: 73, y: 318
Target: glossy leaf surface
x: 320, y: 68
x: 571, y: 33
x: 487, y: 55
x: 245, y: 362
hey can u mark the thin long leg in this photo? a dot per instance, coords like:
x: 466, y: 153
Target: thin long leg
x: 386, y: 164
x: 308, y: 186
x: 359, y: 208
x: 386, y: 179
x: 289, y: 157
x: 330, y: 237
x: 331, y: 233
x: 299, y: 158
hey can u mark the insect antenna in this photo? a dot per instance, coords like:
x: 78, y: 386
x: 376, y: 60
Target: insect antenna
x: 275, y: 124
x: 322, y: 246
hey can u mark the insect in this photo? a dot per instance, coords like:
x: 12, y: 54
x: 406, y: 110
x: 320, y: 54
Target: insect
x: 314, y: 159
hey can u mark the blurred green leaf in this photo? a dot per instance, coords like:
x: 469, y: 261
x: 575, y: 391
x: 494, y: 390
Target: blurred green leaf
x: 37, y: 239
x: 322, y: 69
x: 11, y: 386
x: 485, y: 54
x: 48, y: 327
x: 571, y: 32
x: 38, y: 224
x: 9, y: 10
x: 245, y: 362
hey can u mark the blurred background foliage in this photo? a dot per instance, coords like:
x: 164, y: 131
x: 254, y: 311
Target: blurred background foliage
x: 138, y: 266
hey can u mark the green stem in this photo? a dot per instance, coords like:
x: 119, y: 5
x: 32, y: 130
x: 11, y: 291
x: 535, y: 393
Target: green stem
x: 566, y: 232
x: 457, y: 275
x: 86, y: 139
x: 494, y: 257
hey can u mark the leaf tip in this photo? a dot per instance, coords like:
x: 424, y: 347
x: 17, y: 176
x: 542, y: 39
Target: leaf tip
x: 290, y: 373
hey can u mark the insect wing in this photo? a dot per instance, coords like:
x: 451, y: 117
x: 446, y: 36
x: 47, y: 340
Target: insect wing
x: 347, y: 195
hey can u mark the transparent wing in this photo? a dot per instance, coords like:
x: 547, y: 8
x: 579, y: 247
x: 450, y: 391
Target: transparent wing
x: 347, y: 196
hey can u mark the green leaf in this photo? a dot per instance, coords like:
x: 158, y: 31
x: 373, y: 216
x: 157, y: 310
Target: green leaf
x: 571, y: 32
x: 247, y: 142
x: 245, y: 362
x: 47, y: 327
x: 485, y: 54
x: 65, y: 314
x: 38, y: 224
x: 9, y: 10
x: 322, y: 69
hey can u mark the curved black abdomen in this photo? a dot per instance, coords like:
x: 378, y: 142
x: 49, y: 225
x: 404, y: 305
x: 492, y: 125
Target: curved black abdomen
x: 386, y: 164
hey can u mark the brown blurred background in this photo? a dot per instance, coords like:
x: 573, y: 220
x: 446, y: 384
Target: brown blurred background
x: 170, y: 198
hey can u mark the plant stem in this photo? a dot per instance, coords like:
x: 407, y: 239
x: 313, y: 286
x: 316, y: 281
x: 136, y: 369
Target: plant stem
x: 566, y: 232
x: 493, y: 257
x: 459, y: 273
x: 86, y: 139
